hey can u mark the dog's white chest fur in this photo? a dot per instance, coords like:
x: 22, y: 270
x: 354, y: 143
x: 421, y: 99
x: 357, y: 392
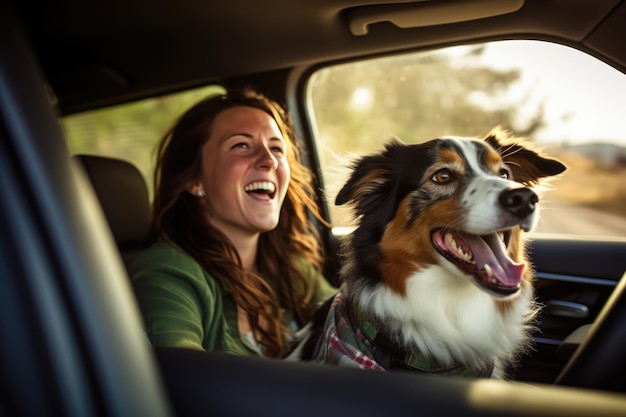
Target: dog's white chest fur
x: 451, y: 319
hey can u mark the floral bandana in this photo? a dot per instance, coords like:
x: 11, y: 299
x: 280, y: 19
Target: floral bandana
x: 354, y: 340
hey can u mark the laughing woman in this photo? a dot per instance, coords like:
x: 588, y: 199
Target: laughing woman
x: 235, y: 266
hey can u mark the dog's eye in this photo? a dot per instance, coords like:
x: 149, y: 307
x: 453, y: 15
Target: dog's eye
x: 443, y: 176
x: 504, y: 173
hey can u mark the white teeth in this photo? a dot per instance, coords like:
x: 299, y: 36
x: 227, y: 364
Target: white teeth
x: 260, y: 185
x: 489, y: 273
x: 452, y: 243
x: 501, y: 236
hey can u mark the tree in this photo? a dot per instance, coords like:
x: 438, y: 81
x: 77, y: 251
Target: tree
x: 416, y: 97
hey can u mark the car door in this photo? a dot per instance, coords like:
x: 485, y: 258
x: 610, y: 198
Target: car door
x: 574, y: 279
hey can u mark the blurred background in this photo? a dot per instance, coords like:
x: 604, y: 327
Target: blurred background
x: 568, y: 104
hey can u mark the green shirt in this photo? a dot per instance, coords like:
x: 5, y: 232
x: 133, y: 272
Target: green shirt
x: 183, y: 306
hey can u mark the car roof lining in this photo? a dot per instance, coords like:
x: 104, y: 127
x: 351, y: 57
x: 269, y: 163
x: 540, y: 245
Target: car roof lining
x: 112, y: 52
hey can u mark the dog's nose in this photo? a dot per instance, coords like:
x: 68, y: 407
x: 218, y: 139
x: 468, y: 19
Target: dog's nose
x: 519, y: 201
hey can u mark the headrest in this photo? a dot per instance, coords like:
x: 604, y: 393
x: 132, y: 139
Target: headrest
x: 123, y: 195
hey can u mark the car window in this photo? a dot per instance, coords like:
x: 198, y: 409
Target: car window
x: 131, y: 131
x: 568, y: 103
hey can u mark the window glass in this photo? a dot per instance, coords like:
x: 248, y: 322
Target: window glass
x: 131, y: 131
x: 568, y: 103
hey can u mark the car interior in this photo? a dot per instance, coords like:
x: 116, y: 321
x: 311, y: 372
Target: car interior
x: 123, y: 194
x: 70, y: 223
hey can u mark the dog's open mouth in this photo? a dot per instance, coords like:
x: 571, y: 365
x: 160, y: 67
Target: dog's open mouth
x: 483, y: 257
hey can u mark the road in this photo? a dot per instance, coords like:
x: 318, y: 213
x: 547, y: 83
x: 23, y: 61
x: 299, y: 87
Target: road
x: 558, y: 217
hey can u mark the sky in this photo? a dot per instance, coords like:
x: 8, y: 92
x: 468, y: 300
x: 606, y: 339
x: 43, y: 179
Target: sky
x: 585, y: 98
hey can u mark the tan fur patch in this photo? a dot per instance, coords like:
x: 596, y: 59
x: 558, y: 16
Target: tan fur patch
x: 408, y: 250
x: 493, y: 160
x: 369, y: 183
x: 450, y: 156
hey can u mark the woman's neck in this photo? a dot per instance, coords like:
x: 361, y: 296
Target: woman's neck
x: 246, y: 243
x: 247, y: 247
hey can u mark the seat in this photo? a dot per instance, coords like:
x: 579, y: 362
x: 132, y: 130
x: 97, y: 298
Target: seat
x: 124, y: 198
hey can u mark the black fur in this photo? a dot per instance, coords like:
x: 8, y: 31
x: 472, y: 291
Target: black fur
x: 316, y: 330
x: 402, y: 168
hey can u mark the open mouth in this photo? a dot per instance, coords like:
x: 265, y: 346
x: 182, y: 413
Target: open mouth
x: 484, y: 257
x: 261, y: 188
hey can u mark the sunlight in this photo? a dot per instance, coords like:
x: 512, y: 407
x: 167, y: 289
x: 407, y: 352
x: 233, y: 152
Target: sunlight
x: 585, y: 98
x: 362, y: 99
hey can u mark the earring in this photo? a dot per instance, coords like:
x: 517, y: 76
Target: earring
x: 200, y: 193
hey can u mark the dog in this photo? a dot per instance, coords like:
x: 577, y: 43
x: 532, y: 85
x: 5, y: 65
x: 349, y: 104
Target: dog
x: 435, y: 277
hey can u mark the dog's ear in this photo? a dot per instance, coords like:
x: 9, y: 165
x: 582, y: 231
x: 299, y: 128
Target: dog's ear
x: 527, y: 165
x: 378, y: 184
x: 369, y: 173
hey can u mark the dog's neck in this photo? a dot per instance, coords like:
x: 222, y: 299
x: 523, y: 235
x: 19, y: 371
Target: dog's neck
x: 394, y: 355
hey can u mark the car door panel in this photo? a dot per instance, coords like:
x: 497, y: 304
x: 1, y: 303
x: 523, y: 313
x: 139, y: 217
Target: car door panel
x: 574, y: 279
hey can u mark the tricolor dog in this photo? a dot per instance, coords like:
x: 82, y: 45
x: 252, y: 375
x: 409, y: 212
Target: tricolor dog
x: 435, y: 277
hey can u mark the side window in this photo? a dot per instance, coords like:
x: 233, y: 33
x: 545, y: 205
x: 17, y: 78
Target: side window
x: 131, y: 131
x: 568, y: 103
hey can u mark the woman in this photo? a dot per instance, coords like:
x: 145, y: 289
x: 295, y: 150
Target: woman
x: 236, y: 265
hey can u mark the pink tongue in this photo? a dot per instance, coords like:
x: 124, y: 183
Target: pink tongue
x: 490, y: 250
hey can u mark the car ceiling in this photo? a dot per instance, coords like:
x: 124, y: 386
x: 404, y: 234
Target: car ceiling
x: 96, y: 53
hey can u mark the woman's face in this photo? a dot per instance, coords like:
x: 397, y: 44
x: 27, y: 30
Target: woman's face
x: 245, y: 173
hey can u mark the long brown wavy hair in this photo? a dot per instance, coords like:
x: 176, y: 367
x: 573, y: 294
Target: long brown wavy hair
x: 179, y: 218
